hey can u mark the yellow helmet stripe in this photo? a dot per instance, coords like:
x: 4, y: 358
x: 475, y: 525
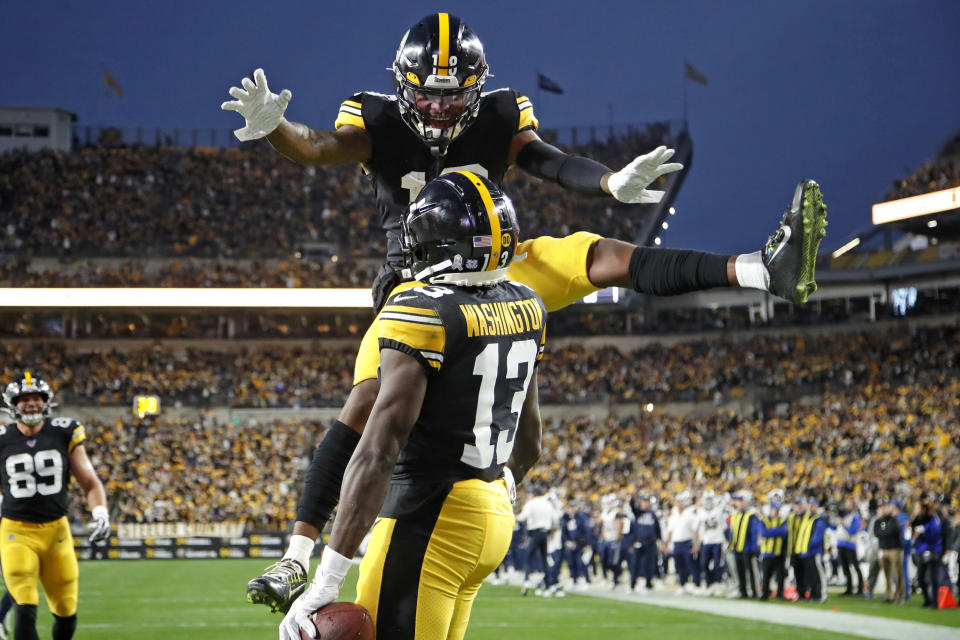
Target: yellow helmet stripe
x: 28, y: 378
x: 443, y: 57
x: 494, y: 219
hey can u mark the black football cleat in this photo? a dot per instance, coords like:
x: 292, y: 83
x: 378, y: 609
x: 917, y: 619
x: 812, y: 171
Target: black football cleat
x: 790, y: 254
x: 279, y: 586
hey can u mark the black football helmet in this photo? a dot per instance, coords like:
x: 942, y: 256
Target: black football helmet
x: 461, y: 230
x: 24, y: 386
x: 439, y: 71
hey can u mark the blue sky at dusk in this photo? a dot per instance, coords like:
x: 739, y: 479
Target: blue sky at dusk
x: 851, y: 93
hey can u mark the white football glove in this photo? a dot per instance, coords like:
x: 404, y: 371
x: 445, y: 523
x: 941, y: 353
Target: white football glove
x: 100, y: 527
x: 511, y: 484
x: 324, y: 589
x: 630, y: 183
x: 262, y: 109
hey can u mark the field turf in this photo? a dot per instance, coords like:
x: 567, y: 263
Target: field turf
x: 204, y: 600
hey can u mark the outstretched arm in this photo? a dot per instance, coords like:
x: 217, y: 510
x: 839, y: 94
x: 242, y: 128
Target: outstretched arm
x: 263, y: 110
x: 583, y: 175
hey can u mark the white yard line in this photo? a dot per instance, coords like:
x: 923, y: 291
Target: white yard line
x: 850, y: 623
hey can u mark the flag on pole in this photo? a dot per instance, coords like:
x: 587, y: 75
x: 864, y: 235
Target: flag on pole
x: 109, y: 81
x: 693, y: 74
x: 545, y: 83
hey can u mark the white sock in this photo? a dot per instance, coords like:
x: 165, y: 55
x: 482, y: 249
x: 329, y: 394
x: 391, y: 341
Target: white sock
x: 751, y: 272
x: 300, y: 549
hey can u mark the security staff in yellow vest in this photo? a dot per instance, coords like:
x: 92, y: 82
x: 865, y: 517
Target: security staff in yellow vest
x: 773, y: 547
x: 809, y: 551
x: 794, y: 520
x: 744, y: 542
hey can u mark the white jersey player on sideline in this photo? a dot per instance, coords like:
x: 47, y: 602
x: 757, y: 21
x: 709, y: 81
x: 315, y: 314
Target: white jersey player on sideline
x: 541, y: 516
x: 555, y: 549
x: 681, y: 531
x: 613, y: 522
x: 711, y: 535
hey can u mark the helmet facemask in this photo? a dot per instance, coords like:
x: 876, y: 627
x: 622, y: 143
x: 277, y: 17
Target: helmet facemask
x: 439, y: 72
x: 28, y: 385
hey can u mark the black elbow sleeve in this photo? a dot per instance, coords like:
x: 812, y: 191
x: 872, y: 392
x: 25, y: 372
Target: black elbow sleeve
x: 576, y: 173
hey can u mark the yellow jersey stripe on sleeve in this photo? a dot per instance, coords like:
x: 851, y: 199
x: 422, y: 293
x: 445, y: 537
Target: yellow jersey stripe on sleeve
x: 420, y: 311
x: 349, y: 114
x: 79, y: 435
x: 418, y: 333
x: 527, y: 118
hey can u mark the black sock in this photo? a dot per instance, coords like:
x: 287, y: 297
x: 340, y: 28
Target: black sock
x: 25, y: 622
x: 668, y: 272
x: 63, y: 628
x: 321, y: 491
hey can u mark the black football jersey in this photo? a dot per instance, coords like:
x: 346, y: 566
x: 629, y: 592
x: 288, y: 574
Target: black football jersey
x: 35, y: 470
x: 401, y: 164
x: 479, y: 347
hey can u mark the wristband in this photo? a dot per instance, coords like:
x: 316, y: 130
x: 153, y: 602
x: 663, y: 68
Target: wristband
x: 332, y: 569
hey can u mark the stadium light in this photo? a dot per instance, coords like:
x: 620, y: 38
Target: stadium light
x: 665, y: 226
x: 656, y: 241
x: 847, y: 247
x: 672, y: 211
x: 143, y: 297
x: 649, y: 407
x: 932, y: 224
x: 915, y: 206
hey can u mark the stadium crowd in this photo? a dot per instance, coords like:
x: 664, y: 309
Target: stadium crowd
x: 719, y: 369
x: 238, y: 203
x: 943, y: 172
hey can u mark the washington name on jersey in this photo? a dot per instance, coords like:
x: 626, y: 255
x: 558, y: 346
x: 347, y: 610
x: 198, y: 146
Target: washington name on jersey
x: 479, y: 347
x: 35, y: 470
x: 401, y: 164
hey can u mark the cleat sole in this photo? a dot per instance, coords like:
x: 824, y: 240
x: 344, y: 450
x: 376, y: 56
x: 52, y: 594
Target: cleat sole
x: 814, y: 230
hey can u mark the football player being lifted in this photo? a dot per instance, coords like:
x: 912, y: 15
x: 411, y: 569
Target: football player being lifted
x: 439, y: 120
x: 457, y: 406
x: 37, y: 456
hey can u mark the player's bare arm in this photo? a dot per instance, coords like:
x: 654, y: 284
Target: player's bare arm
x: 526, y: 447
x: 263, y: 112
x: 304, y: 145
x: 365, y: 483
x: 86, y: 476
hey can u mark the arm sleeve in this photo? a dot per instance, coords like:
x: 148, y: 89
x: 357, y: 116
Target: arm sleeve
x: 575, y: 173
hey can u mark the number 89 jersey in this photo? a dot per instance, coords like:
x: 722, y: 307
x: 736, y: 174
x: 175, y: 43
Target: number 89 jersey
x: 479, y: 347
x: 35, y: 470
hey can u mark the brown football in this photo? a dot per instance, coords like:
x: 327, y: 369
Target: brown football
x: 342, y: 621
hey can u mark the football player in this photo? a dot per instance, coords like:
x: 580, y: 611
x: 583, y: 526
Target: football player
x: 37, y: 456
x: 439, y: 120
x: 457, y: 405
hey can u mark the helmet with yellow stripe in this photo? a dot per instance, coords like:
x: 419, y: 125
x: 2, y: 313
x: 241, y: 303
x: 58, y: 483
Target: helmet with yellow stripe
x: 462, y: 230
x: 439, y: 72
x: 25, y: 386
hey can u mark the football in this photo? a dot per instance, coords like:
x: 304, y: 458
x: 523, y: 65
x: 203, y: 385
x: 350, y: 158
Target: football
x: 342, y: 621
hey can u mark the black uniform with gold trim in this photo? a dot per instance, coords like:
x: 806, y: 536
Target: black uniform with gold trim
x: 35, y: 540
x: 485, y: 341
x: 35, y: 470
x: 401, y: 164
x: 447, y: 520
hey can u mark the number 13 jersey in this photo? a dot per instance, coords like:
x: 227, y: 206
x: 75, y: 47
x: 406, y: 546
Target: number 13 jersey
x: 35, y: 470
x: 479, y: 347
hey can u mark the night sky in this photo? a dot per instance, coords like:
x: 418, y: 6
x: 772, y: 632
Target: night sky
x: 852, y: 94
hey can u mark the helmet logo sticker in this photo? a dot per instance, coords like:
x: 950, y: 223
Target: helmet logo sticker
x: 505, y: 240
x: 458, y: 262
x: 482, y: 241
x: 472, y: 264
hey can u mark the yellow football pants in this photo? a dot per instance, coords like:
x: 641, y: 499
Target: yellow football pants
x: 422, y: 572
x: 556, y: 268
x: 32, y: 552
